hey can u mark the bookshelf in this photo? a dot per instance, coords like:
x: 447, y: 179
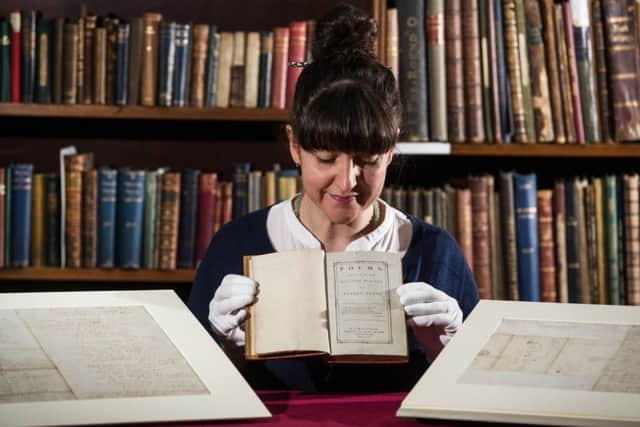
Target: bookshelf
x: 54, y: 274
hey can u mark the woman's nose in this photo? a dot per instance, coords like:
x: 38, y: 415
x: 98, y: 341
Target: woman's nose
x: 348, y: 172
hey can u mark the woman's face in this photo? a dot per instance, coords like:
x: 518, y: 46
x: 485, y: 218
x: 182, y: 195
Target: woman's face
x: 341, y: 185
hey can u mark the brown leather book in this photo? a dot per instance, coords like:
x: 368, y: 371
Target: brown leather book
x: 599, y: 195
x: 149, y: 64
x: 560, y: 241
x: 252, y: 70
x: 497, y: 277
x: 38, y: 221
x: 632, y: 238
x: 311, y: 36
x: 592, y: 242
x: 169, y: 220
x: 280, y: 66
x: 81, y: 63
x: 563, y: 73
x: 494, y: 84
x: 472, y: 72
x: 297, y: 45
x: 464, y: 225
x: 436, y: 70
x: 515, y: 73
x: 236, y: 97
x: 551, y: 53
x: 480, y: 235
x: 227, y: 202
x: 541, y: 101
x: 100, y: 66
x: 207, y: 186
x: 456, y: 122
x: 75, y: 165
x: 600, y: 64
x: 70, y: 62
x: 621, y: 41
x: 223, y: 85
x: 546, y: 243
x: 574, y: 80
x: 391, y: 44
x: 90, y: 218
x: 111, y: 56
x: 88, y: 35
x: 198, y: 64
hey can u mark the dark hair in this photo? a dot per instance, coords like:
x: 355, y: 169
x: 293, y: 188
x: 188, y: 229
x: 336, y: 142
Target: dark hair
x: 345, y: 100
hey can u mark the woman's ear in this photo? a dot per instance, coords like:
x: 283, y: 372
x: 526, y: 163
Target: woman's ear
x: 294, y: 147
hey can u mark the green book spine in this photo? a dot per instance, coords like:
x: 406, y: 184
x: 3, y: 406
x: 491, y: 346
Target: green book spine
x: 5, y: 62
x: 613, y: 252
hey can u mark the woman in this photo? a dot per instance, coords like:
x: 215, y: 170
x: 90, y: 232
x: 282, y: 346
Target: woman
x: 344, y: 126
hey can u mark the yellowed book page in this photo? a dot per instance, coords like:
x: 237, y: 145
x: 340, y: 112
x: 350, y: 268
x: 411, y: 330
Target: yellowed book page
x: 291, y: 311
x: 365, y: 314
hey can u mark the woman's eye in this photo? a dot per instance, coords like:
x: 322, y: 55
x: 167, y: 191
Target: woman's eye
x: 327, y: 161
x: 368, y: 162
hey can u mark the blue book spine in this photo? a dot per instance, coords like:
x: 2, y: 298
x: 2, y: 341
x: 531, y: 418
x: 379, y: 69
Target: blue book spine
x: 122, y: 63
x: 150, y: 213
x: 166, y: 63
x: 266, y: 61
x: 187, y: 227
x: 5, y: 61
x: 43, y: 61
x: 130, y: 211
x: 241, y: 189
x: 21, y: 189
x: 213, y: 57
x: 506, y: 115
x: 525, y: 192
x: 107, y: 196
x: 180, y: 77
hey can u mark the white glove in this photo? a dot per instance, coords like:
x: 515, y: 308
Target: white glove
x: 228, y: 308
x: 433, y: 315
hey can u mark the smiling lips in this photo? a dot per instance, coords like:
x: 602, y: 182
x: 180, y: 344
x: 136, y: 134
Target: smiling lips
x: 343, y: 199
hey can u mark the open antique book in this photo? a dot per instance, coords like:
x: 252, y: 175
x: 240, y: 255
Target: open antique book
x: 343, y: 304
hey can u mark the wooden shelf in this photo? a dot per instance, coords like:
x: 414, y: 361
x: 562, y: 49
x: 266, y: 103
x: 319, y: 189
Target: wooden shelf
x: 144, y: 113
x: 519, y: 150
x: 54, y: 274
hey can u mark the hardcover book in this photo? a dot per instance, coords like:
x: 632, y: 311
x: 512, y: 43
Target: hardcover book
x: 347, y: 309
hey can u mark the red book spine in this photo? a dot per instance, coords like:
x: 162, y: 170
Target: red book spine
x: 297, y: 53
x: 227, y: 202
x: 206, y: 212
x: 573, y: 73
x: 15, y: 55
x: 279, y: 67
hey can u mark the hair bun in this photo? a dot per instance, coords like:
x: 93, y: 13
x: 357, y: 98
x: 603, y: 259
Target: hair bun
x: 344, y: 32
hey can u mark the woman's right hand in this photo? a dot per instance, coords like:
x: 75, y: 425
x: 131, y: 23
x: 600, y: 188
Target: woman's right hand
x: 228, y: 308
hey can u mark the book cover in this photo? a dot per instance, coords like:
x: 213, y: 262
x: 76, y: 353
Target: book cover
x: 129, y: 223
x: 21, y: 197
x: 525, y: 191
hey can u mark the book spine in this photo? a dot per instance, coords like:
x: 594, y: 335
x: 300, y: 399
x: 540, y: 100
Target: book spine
x: 7, y: 217
x: 514, y: 72
x: 612, y: 247
x: 559, y: 215
x: 28, y: 57
x: 504, y: 95
x: 122, y: 63
x: 525, y: 71
x: 111, y: 55
x: 150, y: 213
x: 413, y: 70
x: 436, y: 70
x: 547, y: 247
x: 90, y: 22
x: 550, y: 45
x: 170, y: 215
x: 392, y: 58
x: 213, y: 57
x: 100, y: 66
x: 584, y: 62
x: 525, y: 191
x: 198, y: 64
x: 563, y: 71
x: 107, y: 198
x: 236, y: 95
x: 252, y: 68
x: 89, y: 218
x: 187, y: 227
x: 206, y: 213
x: 21, y: 197
x: 604, y: 108
x: 73, y: 218
x: 130, y: 210
x: 58, y: 61
x: 598, y: 184
x: 266, y: 63
x: 149, y: 61
x: 297, y: 44
x: 81, y: 64
x: 510, y: 252
x: 38, y: 223
x: 541, y: 100
x: 43, y: 75
x: 493, y: 91
x: 632, y: 238
x: 53, y: 219
x: 280, y: 66
x: 3, y: 219
x: 455, y: 81
x: 240, y: 189
x: 70, y: 62
x: 480, y: 235
x: 15, y: 20
x: 573, y: 74
x: 5, y: 63
x: 179, y: 98
x: 223, y: 89
x: 135, y: 61
x: 621, y: 40
x: 573, y: 241
x: 464, y: 224
x: 166, y: 63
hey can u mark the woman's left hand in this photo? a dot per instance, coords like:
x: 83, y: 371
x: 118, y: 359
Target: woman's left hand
x: 434, y: 316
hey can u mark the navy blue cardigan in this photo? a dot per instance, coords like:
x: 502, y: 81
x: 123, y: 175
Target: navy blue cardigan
x: 433, y: 256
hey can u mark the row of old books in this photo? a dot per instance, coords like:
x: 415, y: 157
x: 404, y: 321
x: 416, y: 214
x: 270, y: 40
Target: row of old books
x: 519, y: 71
x: 122, y: 217
x: 577, y: 242
x: 147, y: 61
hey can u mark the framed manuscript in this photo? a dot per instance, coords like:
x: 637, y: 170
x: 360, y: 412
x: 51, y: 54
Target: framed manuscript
x: 81, y: 358
x: 539, y: 363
